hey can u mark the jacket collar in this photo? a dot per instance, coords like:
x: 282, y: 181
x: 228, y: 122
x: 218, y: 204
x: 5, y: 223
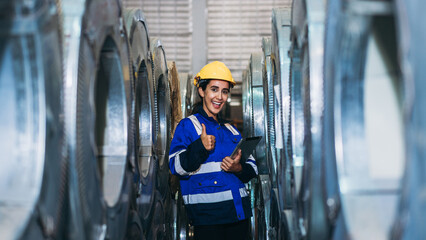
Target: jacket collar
x: 204, y: 114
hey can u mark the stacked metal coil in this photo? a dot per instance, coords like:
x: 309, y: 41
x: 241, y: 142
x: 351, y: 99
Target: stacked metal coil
x: 181, y: 227
x: 253, y: 94
x: 338, y: 94
x: 175, y: 95
x: 280, y: 44
x: 87, y: 123
x: 98, y: 117
x: 410, y: 38
x: 186, y: 89
x: 33, y: 163
x: 311, y: 197
x: 162, y: 114
x: 363, y: 120
x: 145, y: 130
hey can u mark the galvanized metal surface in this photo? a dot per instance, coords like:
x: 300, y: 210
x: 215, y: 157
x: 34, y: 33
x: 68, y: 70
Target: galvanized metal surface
x: 98, y: 87
x: 184, y: 79
x: 297, y: 119
x: 280, y: 42
x: 110, y: 125
x: 162, y: 115
x: 32, y: 142
x: 109, y: 120
x: 137, y: 32
x: 364, y: 113
x: 257, y: 66
x: 269, y: 112
x: 308, y: 19
x: 411, y: 38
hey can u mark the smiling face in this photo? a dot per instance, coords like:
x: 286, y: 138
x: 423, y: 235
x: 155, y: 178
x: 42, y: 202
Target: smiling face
x: 214, y: 97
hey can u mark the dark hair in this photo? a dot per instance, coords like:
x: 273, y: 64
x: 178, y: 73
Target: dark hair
x: 199, y: 104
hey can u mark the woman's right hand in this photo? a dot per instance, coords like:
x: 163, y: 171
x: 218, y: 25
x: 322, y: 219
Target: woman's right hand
x: 208, y: 140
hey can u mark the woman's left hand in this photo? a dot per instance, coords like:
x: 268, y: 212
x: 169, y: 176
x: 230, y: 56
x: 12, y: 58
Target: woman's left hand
x: 232, y: 165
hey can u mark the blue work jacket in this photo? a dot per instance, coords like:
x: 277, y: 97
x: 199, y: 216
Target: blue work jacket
x: 211, y: 195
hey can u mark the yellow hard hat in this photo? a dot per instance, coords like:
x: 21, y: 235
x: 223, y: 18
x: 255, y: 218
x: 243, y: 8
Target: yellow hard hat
x: 214, y: 70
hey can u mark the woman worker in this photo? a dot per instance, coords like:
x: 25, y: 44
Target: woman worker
x: 212, y: 183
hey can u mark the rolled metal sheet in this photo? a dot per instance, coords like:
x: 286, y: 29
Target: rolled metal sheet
x: 194, y: 97
x: 244, y: 100
x: 134, y: 227
x: 137, y: 31
x: 268, y: 93
x: 308, y: 18
x: 297, y: 118
x: 190, y: 91
x: 258, y: 71
x: 162, y: 114
x: 157, y: 230
x: 278, y: 228
x: 184, y: 78
x: 281, y: 29
x: 176, y: 116
x: 296, y: 142
x: 98, y: 106
x: 363, y: 118
x: 33, y: 161
x: 252, y: 188
x: 411, y: 35
x: 175, y: 94
x: 169, y: 217
x: 247, y: 102
x: 180, y: 223
x: 264, y: 207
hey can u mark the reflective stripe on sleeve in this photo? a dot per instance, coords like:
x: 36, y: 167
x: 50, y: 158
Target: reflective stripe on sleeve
x: 208, y: 168
x: 178, y: 167
x: 235, y: 132
x: 197, y: 124
x: 212, y: 197
x: 252, y: 163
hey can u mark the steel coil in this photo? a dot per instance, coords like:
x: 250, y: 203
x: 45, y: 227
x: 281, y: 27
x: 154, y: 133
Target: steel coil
x: 176, y: 116
x: 257, y: 66
x: 297, y: 118
x: 193, y: 95
x: 257, y: 120
x: 98, y: 88
x: 411, y: 35
x: 184, y: 78
x: 278, y: 227
x: 134, y: 227
x: 144, y: 111
x: 269, y: 111
x: 187, y: 91
x: 363, y: 117
x: 264, y: 207
x: 175, y: 93
x: 157, y: 230
x: 281, y: 29
x: 272, y: 112
x: 247, y: 102
x: 33, y: 168
x: 180, y: 224
x: 162, y: 114
x: 308, y: 33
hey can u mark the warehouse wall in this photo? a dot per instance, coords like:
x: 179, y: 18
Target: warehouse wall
x: 234, y: 29
x: 225, y: 30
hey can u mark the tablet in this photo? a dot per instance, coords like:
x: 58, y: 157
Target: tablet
x: 247, y: 146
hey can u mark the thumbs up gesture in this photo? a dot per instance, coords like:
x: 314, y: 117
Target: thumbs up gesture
x: 208, y: 140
